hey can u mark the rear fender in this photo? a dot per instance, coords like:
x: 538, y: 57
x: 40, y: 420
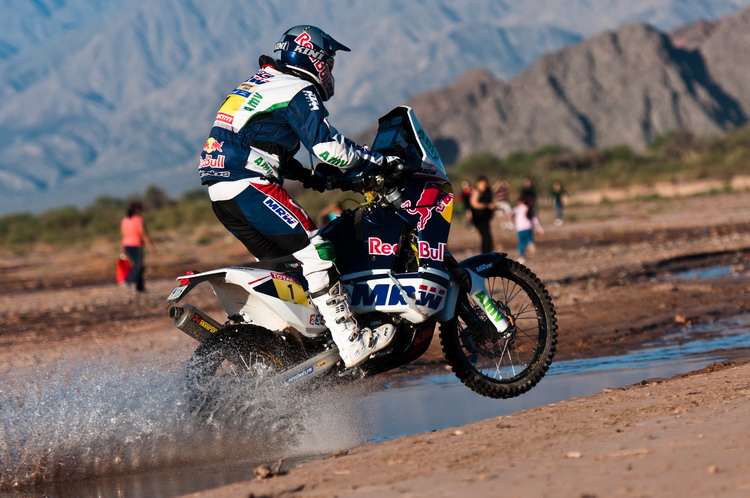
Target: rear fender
x: 262, y: 297
x: 190, y: 281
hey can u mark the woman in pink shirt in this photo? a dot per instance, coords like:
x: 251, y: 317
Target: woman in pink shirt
x: 134, y: 240
x: 526, y: 222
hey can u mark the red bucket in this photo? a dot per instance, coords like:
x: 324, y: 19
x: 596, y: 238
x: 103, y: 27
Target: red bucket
x: 123, y: 268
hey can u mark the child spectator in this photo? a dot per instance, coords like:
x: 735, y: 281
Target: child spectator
x: 558, y: 194
x: 526, y: 222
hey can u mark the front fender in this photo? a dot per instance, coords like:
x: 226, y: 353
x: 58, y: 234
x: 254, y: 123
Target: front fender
x: 476, y: 269
x: 481, y: 264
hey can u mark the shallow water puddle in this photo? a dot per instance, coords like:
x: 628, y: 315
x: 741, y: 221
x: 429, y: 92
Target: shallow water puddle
x: 367, y: 412
x: 706, y: 273
x: 431, y: 403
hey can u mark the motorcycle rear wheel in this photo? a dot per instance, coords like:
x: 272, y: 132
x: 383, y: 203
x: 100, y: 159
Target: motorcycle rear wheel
x: 503, y: 365
x: 235, y: 358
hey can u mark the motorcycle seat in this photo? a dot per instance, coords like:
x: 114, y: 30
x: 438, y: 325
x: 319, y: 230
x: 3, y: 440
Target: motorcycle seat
x: 282, y: 263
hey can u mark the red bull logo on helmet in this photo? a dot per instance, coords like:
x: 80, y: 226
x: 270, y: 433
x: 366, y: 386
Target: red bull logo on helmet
x: 212, y: 145
x: 323, y: 65
x: 433, y: 198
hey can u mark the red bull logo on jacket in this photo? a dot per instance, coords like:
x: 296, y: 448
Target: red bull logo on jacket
x: 212, y: 145
x: 212, y: 162
x: 433, y: 198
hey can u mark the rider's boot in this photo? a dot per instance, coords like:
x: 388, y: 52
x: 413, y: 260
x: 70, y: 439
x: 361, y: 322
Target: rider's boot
x: 354, y: 345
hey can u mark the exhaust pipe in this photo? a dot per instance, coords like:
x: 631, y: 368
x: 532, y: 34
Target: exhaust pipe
x: 193, y: 322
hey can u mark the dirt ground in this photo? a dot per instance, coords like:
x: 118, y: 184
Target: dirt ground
x: 688, y: 436
x: 608, y: 271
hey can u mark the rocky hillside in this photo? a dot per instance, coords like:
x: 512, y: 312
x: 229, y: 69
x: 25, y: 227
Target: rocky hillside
x: 626, y: 86
x: 102, y: 98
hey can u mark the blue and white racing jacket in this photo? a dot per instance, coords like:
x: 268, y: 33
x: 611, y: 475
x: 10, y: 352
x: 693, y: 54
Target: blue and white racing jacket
x: 260, y: 125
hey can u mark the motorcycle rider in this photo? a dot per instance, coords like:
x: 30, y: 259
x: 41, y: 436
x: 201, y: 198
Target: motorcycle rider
x: 249, y: 152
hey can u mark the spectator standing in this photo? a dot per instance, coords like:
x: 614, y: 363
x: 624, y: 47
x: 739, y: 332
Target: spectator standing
x: 502, y: 202
x: 558, y: 194
x: 529, y: 190
x: 526, y: 221
x: 482, y: 209
x: 466, y: 200
x: 135, y: 239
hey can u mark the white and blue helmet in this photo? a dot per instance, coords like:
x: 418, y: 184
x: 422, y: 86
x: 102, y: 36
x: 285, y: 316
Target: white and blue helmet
x: 311, y: 51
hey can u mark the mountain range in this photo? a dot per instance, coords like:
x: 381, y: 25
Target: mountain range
x: 105, y: 98
x: 626, y: 86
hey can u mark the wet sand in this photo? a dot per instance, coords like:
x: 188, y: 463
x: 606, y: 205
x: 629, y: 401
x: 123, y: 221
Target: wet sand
x: 608, y: 271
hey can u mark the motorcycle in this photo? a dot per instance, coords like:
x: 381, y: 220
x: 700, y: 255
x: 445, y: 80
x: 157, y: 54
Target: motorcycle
x: 497, y: 323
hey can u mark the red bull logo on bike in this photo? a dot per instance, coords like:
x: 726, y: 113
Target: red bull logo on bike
x: 426, y: 251
x: 433, y: 198
x: 390, y: 295
x: 380, y: 248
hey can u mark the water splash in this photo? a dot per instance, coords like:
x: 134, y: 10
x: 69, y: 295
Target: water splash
x: 82, y: 418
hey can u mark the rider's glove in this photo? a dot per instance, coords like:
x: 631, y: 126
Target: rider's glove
x: 314, y: 181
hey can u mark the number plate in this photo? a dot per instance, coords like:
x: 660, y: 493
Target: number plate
x: 176, y: 293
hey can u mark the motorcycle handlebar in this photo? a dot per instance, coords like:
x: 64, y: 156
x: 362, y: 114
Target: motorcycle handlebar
x: 379, y: 179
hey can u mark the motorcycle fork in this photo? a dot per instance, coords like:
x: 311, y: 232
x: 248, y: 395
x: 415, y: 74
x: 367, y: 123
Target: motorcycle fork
x: 473, y: 284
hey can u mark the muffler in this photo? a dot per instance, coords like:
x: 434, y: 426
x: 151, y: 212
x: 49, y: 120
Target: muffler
x: 193, y: 322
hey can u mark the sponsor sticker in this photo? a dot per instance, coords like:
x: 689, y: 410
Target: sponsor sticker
x: 334, y: 161
x: 432, y: 198
x: 390, y: 295
x: 253, y: 102
x: 312, y: 100
x: 212, y: 145
x: 489, y: 307
x: 482, y: 268
x: 204, y: 324
x: 212, y: 162
x: 304, y: 40
x: 426, y: 251
x: 280, y: 211
x: 380, y: 248
x: 285, y: 278
x: 299, y: 375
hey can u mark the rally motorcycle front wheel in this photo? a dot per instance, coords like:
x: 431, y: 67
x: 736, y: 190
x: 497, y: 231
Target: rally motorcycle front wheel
x: 229, y: 365
x: 508, y: 364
